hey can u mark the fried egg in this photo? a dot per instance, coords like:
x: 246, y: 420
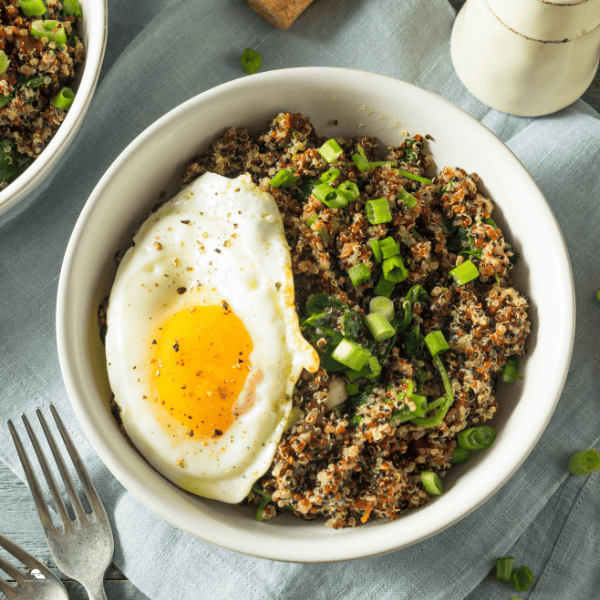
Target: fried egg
x: 203, y: 344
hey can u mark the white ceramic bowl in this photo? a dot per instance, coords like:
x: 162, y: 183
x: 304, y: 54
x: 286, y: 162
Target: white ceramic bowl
x: 92, y: 32
x: 362, y: 103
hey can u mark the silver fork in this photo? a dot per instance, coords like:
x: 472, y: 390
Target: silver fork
x: 82, y: 548
x: 38, y: 582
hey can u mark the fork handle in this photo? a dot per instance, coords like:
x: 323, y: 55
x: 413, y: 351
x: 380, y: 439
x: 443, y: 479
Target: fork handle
x: 96, y: 591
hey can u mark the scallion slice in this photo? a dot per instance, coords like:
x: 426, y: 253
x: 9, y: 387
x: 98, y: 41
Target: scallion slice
x: 432, y: 483
x: 329, y: 196
x: 362, y: 164
x: 388, y: 247
x: 476, y: 438
x: 383, y: 305
x: 330, y: 150
x: 283, y: 178
x: 460, y: 455
x: 330, y: 175
x: 378, y: 211
x: 72, y: 7
x: 510, y: 372
x: 411, y: 176
x: 407, y: 198
x: 584, y: 462
x: 379, y: 326
x: 4, y: 61
x: 464, y: 273
x: 436, y: 342
x: 522, y: 578
x: 394, y: 269
x: 311, y: 220
x: 384, y: 287
x: 64, y: 98
x: 359, y: 274
x: 505, y: 565
x: 32, y: 8
x: 53, y: 31
x: 351, y: 354
x: 350, y: 189
x: 376, y: 250
x: 352, y: 388
x: 251, y: 61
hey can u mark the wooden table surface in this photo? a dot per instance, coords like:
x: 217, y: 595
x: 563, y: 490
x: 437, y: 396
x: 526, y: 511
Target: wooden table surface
x: 19, y: 517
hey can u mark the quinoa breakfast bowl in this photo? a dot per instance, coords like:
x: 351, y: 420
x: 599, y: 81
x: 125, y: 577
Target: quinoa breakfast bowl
x: 388, y: 295
x: 50, y: 59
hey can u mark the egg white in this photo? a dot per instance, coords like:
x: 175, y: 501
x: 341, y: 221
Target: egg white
x: 218, y: 240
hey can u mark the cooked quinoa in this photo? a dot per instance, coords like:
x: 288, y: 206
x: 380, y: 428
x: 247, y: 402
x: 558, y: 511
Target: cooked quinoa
x: 38, y: 69
x: 348, y: 458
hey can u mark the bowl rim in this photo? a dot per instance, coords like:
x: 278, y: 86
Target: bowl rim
x: 341, y: 544
x: 27, y: 182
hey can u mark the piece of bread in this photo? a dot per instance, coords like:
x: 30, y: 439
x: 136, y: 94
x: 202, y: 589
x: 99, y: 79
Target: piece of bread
x: 281, y: 13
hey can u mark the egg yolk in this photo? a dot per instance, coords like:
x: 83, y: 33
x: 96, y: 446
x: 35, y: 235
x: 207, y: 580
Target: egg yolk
x: 201, y: 355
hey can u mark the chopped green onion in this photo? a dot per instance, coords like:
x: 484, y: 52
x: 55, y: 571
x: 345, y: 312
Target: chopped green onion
x: 4, y: 61
x: 384, y: 287
x: 585, y: 462
x: 436, y: 342
x: 330, y: 150
x: 32, y: 8
x: 351, y: 354
x: 251, y: 61
x: 350, y: 189
x: 489, y: 221
x: 376, y: 250
x: 283, y: 178
x: 370, y: 370
x: 378, y: 211
x: 329, y: 196
x: 441, y: 406
x: 53, y: 31
x: 389, y: 247
x: 383, y: 305
x: 460, y: 455
x: 359, y: 274
x: 320, y: 302
x: 394, y: 269
x: 432, y: 483
x: 311, y: 220
x: 330, y: 175
x: 407, y: 198
x: 411, y: 176
x: 522, y: 578
x: 379, y: 326
x: 261, y: 508
x: 464, y: 273
x: 505, y: 566
x: 510, y: 372
x: 598, y: 295
x: 352, y: 389
x: 515, y: 598
x: 64, y: 98
x: 476, y: 438
x: 72, y: 7
x: 361, y: 162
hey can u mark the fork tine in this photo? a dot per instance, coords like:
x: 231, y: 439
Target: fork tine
x: 32, y: 480
x: 6, y: 589
x: 64, y: 472
x: 88, y: 486
x: 20, y: 555
x: 12, y: 571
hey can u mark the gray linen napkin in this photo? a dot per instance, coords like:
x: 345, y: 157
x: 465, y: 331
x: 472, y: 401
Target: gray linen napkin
x: 162, y: 52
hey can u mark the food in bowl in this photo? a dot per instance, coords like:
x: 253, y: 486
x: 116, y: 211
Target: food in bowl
x: 39, y: 55
x: 401, y: 284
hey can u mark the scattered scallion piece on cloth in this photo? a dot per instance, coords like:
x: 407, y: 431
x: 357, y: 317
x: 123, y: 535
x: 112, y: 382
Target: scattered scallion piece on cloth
x: 283, y: 178
x: 510, y: 372
x: 432, y: 483
x: 359, y: 274
x: 4, y: 61
x: 64, y: 98
x: 505, y: 565
x: 584, y: 462
x: 72, y: 7
x: 330, y: 150
x: 53, y: 31
x: 598, y: 295
x: 464, y: 273
x: 33, y: 8
x: 522, y: 578
x: 251, y: 61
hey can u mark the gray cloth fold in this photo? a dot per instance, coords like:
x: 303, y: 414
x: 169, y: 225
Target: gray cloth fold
x: 162, y: 52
